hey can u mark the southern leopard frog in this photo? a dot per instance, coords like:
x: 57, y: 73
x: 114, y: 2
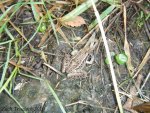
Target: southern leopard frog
x: 73, y: 65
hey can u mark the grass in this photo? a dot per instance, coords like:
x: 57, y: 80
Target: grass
x: 109, y: 58
x: 5, y: 65
x: 102, y: 16
x: 4, y: 85
x: 33, y: 36
x: 7, y: 26
x: 14, y: 8
x: 51, y: 90
x: 51, y: 22
x: 77, y: 11
x: 8, y: 92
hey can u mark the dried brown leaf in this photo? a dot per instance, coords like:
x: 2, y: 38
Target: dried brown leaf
x: 128, y: 104
x: 76, y: 22
x: 6, y: 2
x: 144, y: 108
x: 126, y: 44
x: 127, y: 52
x: 20, y: 66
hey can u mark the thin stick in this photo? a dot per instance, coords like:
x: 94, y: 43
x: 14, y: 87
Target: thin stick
x: 109, y: 58
x: 52, y: 68
x: 145, y: 59
x: 146, y: 79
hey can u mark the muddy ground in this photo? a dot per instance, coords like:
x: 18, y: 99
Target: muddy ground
x: 93, y: 94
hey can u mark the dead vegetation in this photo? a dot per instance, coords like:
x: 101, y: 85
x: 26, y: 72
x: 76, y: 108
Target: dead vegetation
x: 54, y: 56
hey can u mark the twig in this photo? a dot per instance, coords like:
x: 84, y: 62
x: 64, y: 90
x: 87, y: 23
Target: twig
x: 109, y: 58
x: 147, y: 30
x: 133, y: 93
x: 145, y: 59
x: 78, y: 102
x: 146, y: 79
x: 53, y: 69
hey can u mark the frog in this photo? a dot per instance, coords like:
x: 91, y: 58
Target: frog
x: 74, y: 65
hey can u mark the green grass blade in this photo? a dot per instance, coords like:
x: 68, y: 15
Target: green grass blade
x: 16, y: 7
x: 55, y: 96
x: 112, y: 2
x: 9, y: 34
x: 15, y: 100
x: 8, y: 80
x: 30, y: 76
x: 50, y: 89
x: 2, y: 43
x: 102, y: 16
x: 33, y: 36
x: 53, y: 27
x: 77, y: 11
x: 35, y: 13
x: 6, y: 65
x: 5, y: 13
x: 52, y: 23
x: 10, y: 86
x: 17, y: 52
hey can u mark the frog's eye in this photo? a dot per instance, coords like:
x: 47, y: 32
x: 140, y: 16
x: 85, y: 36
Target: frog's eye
x: 90, y: 59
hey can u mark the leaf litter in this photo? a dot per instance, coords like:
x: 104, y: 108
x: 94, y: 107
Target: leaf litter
x: 76, y: 22
x: 74, y: 93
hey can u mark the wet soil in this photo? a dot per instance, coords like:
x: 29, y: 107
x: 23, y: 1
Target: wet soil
x: 94, y: 94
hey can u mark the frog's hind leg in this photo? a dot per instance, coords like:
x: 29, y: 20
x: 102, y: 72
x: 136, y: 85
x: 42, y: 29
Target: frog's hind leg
x: 77, y: 74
